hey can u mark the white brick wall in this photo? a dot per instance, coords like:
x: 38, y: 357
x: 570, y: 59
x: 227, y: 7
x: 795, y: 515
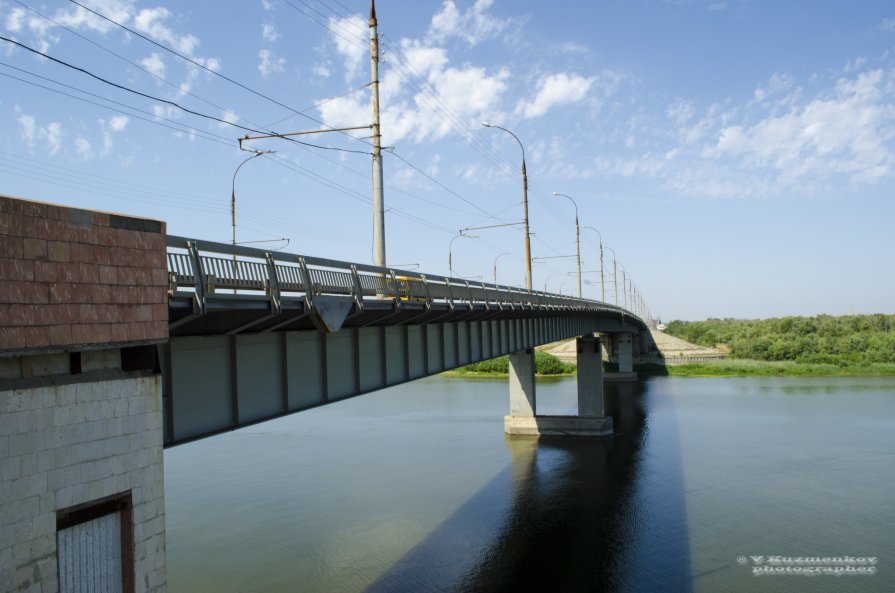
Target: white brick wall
x: 66, y: 445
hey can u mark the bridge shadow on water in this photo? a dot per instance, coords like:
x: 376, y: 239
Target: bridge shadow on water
x: 568, y: 514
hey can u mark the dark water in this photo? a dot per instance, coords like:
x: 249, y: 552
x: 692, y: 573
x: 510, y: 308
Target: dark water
x: 417, y: 489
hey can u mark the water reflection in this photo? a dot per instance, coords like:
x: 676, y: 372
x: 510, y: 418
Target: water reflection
x: 563, y: 516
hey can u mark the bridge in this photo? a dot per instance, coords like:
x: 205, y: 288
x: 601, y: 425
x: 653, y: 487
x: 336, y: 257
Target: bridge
x: 255, y: 334
x: 117, y: 340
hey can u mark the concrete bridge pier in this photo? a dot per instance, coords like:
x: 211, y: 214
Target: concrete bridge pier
x: 590, y: 421
x: 624, y: 353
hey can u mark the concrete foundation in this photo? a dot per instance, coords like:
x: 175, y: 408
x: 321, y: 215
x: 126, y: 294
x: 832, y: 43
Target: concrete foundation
x: 559, y: 426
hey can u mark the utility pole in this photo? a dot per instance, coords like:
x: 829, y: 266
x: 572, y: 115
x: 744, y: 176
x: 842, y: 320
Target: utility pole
x: 378, y: 204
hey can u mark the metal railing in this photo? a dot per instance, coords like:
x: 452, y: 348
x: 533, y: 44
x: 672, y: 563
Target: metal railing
x: 207, y: 267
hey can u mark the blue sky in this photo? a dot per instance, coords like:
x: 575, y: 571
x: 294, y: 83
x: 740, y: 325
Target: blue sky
x: 737, y: 156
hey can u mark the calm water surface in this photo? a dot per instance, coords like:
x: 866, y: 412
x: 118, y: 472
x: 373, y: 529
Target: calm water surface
x: 416, y: 489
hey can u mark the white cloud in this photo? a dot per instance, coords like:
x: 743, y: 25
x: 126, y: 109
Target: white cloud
x: 350, y: 34
x: 269, y: 32
x: 887, y: 24
x: 78, y: 18
x: 848, y: 131
x: 554, y: 90
x: 15, y: 20
x: 32, y: 133
x: 473, y: 26
x: 680, y: 111
x: 83, y: 148
x: 27, y: 128
x: 229, y: 117
x: 151, y: 22
x: 117, y: 123
x: 717, y: 6
x: 321, y: 70
x: 270, y: 63
x: 468, y: 93
x: 778, y: 141
x: 155, y: 64
x: 52, y: 134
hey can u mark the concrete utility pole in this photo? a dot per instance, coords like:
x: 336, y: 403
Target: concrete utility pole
x: 524, y: 204
x: 577, y: 239
x: 602, y: 286
x: 378, y: 204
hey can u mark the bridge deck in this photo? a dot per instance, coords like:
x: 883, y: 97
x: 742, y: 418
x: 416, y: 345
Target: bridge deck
x: 257, y: 335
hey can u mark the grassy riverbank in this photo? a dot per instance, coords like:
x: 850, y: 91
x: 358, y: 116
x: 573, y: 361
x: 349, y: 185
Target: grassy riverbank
x: 733, y: 368
x: 546, y: 365
x: 550, y: 366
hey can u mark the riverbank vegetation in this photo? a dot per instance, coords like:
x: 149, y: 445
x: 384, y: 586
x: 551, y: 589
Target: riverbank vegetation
x: 545, y: 364
x: 821, y: 345
x: 733, y: 368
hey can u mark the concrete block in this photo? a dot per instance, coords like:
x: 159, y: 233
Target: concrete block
x: 28, y: 442
x: 97, y: 360
x: 11, y: 368
x: 45, y: 365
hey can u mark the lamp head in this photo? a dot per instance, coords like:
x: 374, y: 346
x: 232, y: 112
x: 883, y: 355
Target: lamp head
x: 487, y: 124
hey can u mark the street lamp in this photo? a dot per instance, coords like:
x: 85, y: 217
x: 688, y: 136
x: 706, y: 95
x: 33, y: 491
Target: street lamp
x: 495, y: 264
x: 602, y: 287
x: 450, y: 246
x: 577, y: 238
x: 233, y: 192
x: 614, y: 274
x: 524, y: 204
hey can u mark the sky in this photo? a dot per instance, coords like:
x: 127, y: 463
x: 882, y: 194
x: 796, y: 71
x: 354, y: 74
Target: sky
x: 736, y: 157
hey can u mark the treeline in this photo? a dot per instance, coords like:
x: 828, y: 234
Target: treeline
x: 854, y: 339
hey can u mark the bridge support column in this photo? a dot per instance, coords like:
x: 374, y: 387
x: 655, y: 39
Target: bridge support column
x: 625, y: 357
x: 522, y: 384
x: 590, y: 420
x: 590, y: 377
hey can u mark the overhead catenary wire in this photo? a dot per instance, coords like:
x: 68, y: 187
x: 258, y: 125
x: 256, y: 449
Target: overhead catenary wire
x: 166, y: 101
x: 207, y: 69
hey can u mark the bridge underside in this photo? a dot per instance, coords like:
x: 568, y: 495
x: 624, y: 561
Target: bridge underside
x: 237, y: 364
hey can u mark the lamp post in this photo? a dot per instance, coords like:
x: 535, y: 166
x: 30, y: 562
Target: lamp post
x: 577, y: 239
x: 602, y: 287
x: 524, y: 204
x: 495, y: 264
x: 626, y: 279
x: 233, y: 192
x: 614, y: 274
x: 450, y: 246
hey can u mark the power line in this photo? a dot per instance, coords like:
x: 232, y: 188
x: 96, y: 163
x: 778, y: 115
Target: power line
x: 207, y: 69
x: 200, y: 133
x: 166, y: 101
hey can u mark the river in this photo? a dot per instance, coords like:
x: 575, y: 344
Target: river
x: 709, y: 484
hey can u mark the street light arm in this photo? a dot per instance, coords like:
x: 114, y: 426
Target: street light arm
x: 233, y: 189
x: 515, y: 137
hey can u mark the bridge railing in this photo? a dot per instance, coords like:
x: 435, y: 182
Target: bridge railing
x: 207, y: 267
